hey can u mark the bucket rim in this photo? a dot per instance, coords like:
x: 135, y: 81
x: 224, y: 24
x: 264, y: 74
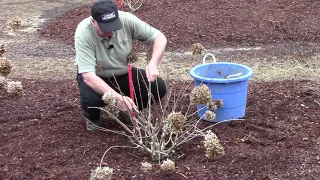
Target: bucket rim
x: 216, y: 80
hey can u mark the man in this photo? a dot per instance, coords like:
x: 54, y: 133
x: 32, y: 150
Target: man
x: 103, y: 43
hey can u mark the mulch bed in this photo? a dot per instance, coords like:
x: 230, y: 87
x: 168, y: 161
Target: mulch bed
x: 213, y: 23
x: 43, y: 136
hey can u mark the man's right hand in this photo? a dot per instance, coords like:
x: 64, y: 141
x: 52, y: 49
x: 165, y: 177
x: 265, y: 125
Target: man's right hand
x: 125, y: 103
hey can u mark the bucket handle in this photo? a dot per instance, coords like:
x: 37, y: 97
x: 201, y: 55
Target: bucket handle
x: 234, y: 75
x: 209, y: 54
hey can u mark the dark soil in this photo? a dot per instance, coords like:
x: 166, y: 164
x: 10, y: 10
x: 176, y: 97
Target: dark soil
x: 214, y: 23
x: 43, y: 136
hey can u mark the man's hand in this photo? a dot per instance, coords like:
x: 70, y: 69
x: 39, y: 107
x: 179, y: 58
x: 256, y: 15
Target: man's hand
x: 125, y: 103
x: 152, y: 71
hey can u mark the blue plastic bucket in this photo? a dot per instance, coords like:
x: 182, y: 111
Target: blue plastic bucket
x: 227, y: 81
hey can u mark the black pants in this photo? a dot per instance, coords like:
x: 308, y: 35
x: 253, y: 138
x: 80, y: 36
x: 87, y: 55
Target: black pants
x: 89, y: 98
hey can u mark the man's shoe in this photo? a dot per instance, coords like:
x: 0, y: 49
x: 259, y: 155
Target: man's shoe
x: 91, y: 126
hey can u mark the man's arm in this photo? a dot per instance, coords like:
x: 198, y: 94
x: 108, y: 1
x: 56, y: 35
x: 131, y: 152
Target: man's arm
x: 159, y: 47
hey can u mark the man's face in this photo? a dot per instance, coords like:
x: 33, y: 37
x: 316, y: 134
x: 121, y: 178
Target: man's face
x: 99, y: 32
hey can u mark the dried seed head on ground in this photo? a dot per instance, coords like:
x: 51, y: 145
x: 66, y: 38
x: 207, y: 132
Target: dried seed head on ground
x: 3, y: 82
x: 102, y: 173
x: 168, y: 165
x: 197, y: 49
x: 14, y: 23
x: 5, y: 67
x: 200, y: 95
x: 146, y: 167
x: 3, y: 49
x: 14, y: 88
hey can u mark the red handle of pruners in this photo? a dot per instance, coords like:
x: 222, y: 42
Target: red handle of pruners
x: 131, y: 85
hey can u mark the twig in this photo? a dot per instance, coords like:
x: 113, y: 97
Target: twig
x: 182, y: 175
x: 115, y: 118
x: 111, y: 148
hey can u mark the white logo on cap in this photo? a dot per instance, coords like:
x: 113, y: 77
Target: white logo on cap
x: 106, y: 17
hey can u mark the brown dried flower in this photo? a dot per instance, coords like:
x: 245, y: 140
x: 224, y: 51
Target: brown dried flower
x: 197, y: 49
x: 14, y: 23
x: 212, y: 145
x: 3, y: 49
x: 218, y: 102
x: 146, y: 167
x: 109, y: 98
x: 3, y: 82
x: 215, y: 104
x: 5, y: 67
x: 101, y: 173
x: 176, y: 121
x: 168, y: 165
x: 200, y: 95
x: 209, y: 115
x: 14, y: 88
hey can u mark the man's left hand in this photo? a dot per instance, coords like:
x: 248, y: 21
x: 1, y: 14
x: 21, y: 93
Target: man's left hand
x: 152, y: 71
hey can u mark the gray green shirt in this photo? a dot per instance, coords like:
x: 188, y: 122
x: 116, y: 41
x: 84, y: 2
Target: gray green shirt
x: 93, y: 53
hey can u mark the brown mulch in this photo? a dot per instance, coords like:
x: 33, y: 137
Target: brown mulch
x: 213, y: 23
x: 43, y: 136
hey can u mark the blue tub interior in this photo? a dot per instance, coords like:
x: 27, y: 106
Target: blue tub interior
x: 219, y: 71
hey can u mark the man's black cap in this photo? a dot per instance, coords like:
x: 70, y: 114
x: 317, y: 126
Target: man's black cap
x: 105, y: 12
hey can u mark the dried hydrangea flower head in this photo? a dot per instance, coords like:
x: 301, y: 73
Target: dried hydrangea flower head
x: 212, y: 145
x: 101, y: 173
x: 3, y: 82
x: 133, y: 57
x: 14, y: 23
x: 176, y: 121
x: 200, y: 95
x: 209, y: 115
x: 14, y: 88
x: 218, y: 103
x: 3, y: 49
x: 168, y: 165
x: 5, y: 67
x: 197, y: 49
x: 146, y: 167
x: 109, y: 98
